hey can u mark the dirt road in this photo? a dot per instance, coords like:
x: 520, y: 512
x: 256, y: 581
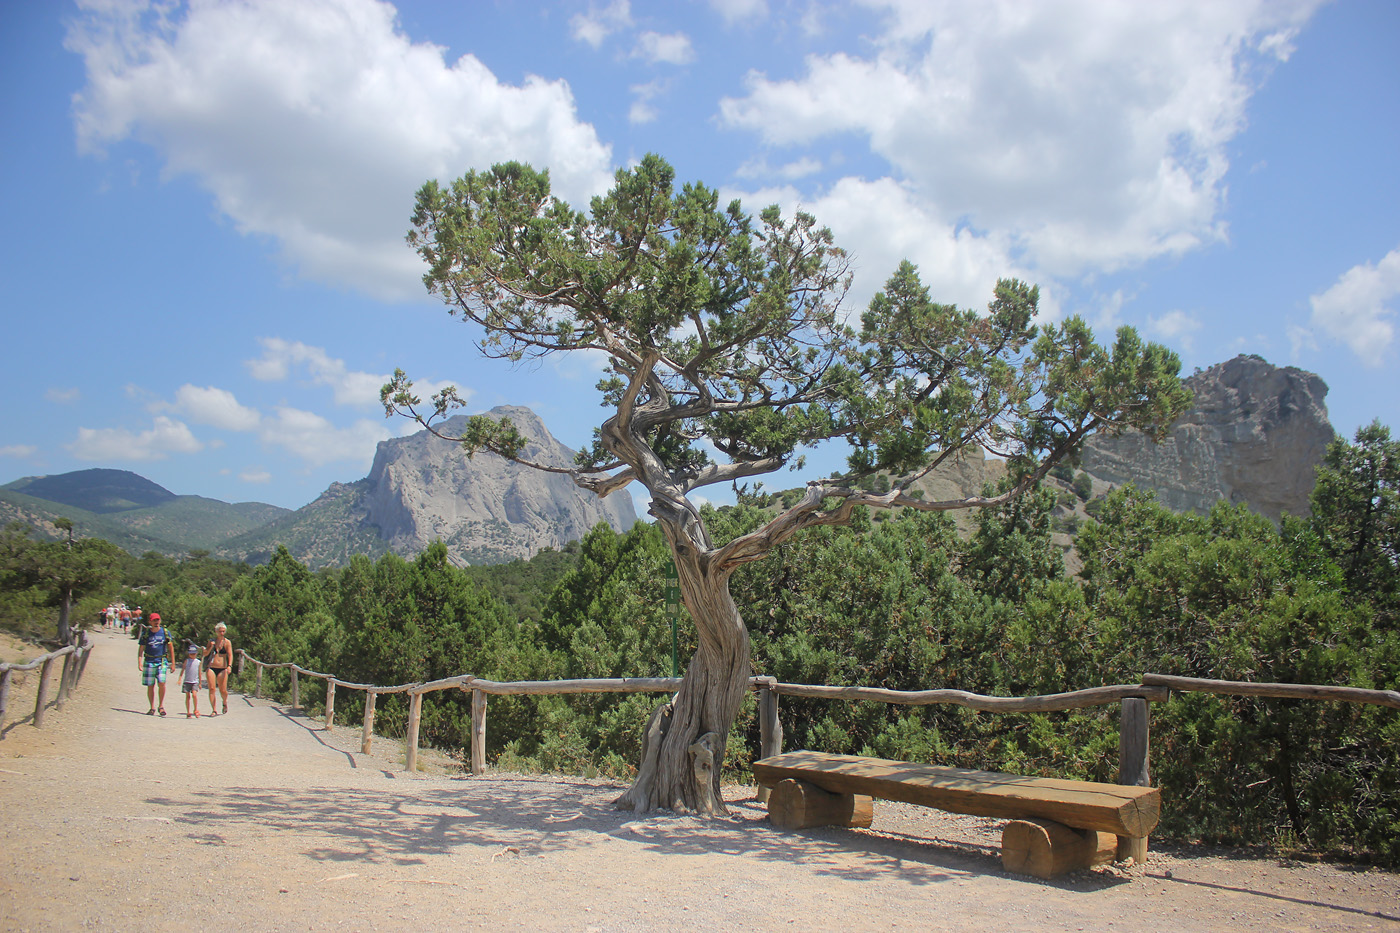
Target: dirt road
x: 114, y: 820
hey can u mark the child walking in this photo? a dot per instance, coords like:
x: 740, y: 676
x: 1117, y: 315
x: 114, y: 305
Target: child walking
x: 190, y: 681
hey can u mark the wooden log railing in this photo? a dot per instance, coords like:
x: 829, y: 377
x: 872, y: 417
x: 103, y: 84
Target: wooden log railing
x: 74, y: 663
x: 1134, y: 720
x: 1243, y: 688
x: 478, y: 688
x: 767, y: 688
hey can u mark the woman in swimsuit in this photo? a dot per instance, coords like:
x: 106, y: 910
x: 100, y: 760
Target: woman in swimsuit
x: 220, y: 655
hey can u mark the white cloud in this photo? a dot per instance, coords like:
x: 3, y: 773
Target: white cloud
x: 758, y: 167
x: 1175, y: 325
x: 280, y: 357
x: 166, y: 436
x: 735, y: 11
x: 642, y: 109
x: 315, y: 122
x: 671, y: 49
x: 1299, y: 340
x: 427, y: 388
x: 255, y: 475
x: 317, y: 441
x: 63, y: 396
x: 18, y: 451
x: 890, y: 224
x: 1105, y: 317
x: 1357, y: 310
x: 599, y: 23
x: 1087, y: 136
x: 215, y: 407
x: 800, y: 168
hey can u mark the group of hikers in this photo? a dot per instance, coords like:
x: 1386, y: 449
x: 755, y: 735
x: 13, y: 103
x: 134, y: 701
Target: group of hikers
x: 155, y: 655
x: 117, y: 617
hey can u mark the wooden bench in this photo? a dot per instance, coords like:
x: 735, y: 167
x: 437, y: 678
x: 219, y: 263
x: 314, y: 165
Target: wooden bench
x: 1056, y: 825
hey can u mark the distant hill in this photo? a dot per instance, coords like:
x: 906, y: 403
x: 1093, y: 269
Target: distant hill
x: 129, y: 510
x: 420, y: 489
x: 97, y: 491
x: 324, y: 533
x: 40, y: 515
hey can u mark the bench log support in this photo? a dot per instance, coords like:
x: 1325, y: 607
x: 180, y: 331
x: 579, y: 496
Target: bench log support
x: 795, y: 804
x: 1047, y: 849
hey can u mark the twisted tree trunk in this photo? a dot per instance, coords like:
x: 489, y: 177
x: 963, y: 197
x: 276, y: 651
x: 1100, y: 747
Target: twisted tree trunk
x: 683, y: 748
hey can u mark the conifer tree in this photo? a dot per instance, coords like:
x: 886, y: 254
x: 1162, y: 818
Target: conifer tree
x: 727, y: 333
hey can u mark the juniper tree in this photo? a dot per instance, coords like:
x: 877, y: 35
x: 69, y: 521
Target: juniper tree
x: 729, y: 355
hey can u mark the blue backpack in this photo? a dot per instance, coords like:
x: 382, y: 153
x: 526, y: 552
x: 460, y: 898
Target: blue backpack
x: 155, y: 644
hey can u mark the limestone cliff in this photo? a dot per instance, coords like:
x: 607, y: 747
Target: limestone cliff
x: 1255, y: 434
x: 422, y: 488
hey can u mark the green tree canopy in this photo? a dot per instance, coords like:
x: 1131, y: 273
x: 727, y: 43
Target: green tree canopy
x: 1356, y: 512
x: 59, y: 572
x: 729, y: 353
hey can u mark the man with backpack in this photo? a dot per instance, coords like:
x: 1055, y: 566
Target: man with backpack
x: 155, y: 656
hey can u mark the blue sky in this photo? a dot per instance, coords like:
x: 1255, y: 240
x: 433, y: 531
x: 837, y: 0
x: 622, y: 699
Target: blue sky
x: 201, y: 241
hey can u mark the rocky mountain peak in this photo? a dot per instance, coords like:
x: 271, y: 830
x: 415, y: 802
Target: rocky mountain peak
x: 422, y: 488
x: 1255, y: 434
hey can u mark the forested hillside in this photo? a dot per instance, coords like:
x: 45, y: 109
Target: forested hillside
x: 906, y: 602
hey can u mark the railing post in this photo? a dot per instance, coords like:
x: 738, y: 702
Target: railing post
x: 71, y: 680
x: 4, y: 697
x: 257, y: 694
x: 296, y: 696
x: 478, y: 731
x: 242, y: 658
x: 330, y: 703
x: 415, y: 714
x: 43, y: 699
x: 770, y: 728
x: 87, y: 652
x: 62, y: 696
x: 1133, y: 765
x: 367, y: 735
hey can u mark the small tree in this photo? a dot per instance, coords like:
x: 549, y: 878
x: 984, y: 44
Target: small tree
x: 62, y: 571
x: 728, y: 353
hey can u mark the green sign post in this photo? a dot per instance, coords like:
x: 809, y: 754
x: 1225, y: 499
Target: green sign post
x: 673, y: 609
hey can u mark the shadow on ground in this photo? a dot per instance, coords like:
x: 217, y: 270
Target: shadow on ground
x: 551, y: 815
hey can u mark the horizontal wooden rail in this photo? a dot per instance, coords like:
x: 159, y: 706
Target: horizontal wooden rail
x: 1389, y: 698
x: 34, y: 665
x: 1077, y: 699
x: 549, y: 687
x: 74, y: 662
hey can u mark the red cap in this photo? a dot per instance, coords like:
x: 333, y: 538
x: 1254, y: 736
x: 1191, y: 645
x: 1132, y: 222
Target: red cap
x: 155, y: 617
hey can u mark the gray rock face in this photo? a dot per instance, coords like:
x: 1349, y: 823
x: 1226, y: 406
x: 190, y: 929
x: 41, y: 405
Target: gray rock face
x: 1255, y: 434
x: 422, y: 488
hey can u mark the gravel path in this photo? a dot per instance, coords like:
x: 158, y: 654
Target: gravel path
x: 114, y: 820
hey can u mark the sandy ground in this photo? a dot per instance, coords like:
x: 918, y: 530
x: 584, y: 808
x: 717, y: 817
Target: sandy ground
x: 259, y: 820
